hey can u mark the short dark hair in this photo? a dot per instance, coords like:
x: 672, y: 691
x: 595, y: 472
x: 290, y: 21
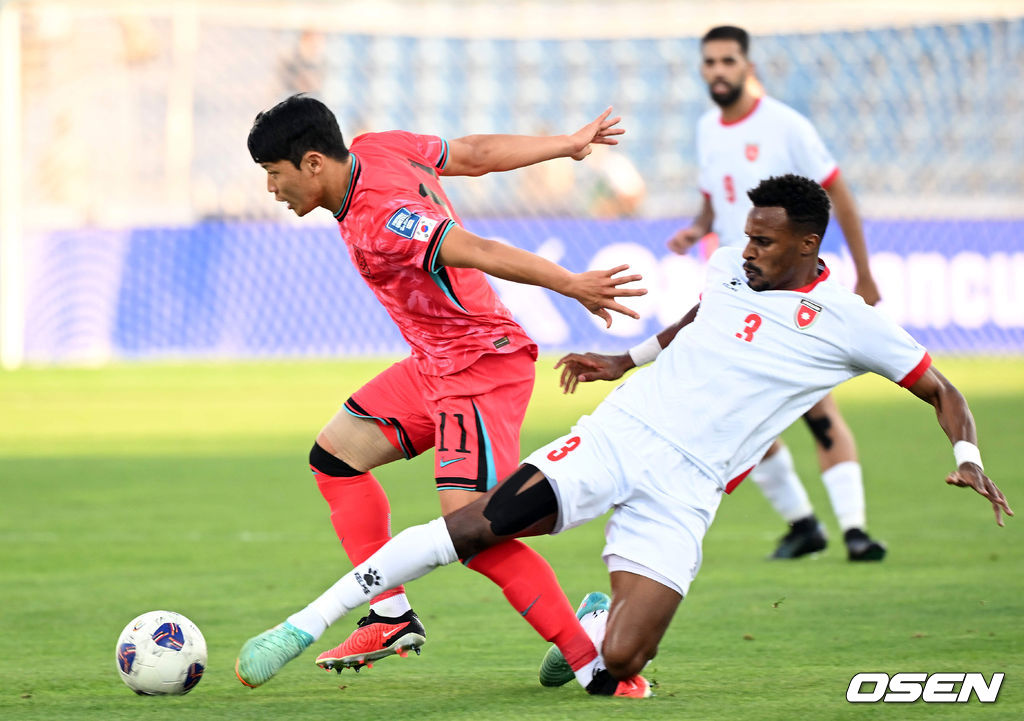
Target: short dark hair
x: 292, y: 128
x: 806, y: 203
x: 729, y: 32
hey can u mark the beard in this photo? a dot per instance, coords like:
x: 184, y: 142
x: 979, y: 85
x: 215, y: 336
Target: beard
x: 724, y: 100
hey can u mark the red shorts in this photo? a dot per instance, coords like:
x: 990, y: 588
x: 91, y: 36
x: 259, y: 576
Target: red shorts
x: 472, y: 418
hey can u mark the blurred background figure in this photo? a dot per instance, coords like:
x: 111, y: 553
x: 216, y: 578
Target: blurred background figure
x: 303, y: 67
x: 619, y: 189
x: 552, y: 185
x: 140, y: 39
x: 120, y: 132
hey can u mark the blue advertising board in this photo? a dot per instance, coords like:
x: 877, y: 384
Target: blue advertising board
x: 259, y: 290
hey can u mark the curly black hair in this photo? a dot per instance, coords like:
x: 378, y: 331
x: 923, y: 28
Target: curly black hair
x: 806, y: 203
x: 292, y: 128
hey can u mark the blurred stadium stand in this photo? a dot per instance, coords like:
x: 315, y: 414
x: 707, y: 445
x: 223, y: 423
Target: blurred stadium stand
x: 136, y: 187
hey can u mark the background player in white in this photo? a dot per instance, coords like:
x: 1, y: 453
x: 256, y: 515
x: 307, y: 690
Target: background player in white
x: 772, y: 335
x: 749, y: 137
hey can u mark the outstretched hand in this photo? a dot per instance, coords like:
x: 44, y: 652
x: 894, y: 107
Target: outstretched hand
x: 969, y: 475
x: 597, y: 290
x: 600, y: 130
x: 585, y: 367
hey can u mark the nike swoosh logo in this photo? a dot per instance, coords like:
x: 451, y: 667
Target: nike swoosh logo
x: 393, y: 631
x: 453, y: 460
x: 626, y: 688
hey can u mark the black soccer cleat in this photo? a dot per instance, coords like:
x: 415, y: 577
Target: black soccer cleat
x: 805, y: 536
x: 862, y: 547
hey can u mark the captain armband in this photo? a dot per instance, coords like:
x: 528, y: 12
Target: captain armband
x: 967, y: 452
x: 643, y: 353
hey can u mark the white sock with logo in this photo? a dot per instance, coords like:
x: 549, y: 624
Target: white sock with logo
x: 412, y: 553
x: 776, y: 477
x: 595, y: 624
x: 845, y: 484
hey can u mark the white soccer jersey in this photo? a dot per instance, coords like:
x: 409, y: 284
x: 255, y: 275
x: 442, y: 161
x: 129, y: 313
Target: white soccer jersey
x: 773, y: 139
x: 752, y: 363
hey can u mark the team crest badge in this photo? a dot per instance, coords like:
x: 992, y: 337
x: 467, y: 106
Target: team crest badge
x: 751, y: 152
x: 806, y: 313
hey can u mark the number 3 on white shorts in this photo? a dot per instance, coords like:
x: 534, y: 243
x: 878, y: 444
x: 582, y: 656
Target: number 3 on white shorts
x: 559, y: 453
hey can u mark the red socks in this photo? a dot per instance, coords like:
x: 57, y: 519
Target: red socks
x: 531, y: 587
x: 361, y: 516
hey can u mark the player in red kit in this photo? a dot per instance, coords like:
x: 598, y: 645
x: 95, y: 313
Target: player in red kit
x: 464, y: 388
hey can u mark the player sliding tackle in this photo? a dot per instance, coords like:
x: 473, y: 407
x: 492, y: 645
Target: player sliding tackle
x: 772, y: 335
x: 464, y: 388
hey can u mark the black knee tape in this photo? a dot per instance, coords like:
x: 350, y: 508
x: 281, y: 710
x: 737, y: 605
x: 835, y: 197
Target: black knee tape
x: 510, y: 511
x: 330, y: 465
x: 820, y: 428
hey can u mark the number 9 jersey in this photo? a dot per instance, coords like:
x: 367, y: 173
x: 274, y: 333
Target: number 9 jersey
x: 772, y: 139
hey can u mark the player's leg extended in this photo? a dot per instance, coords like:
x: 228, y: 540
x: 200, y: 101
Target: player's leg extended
x: 405, y: 557
x: 776, y: 476
x: 477, y: 444
x: 842, y: 476
x: 524, y: 505
x: 409, y: 555
x: 383, y: 421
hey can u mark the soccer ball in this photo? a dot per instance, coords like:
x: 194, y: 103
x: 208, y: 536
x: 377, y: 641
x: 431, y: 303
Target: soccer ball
x: 161, y: 652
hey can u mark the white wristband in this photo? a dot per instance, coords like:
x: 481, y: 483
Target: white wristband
x: 644, y: 353
x: 967, y: 452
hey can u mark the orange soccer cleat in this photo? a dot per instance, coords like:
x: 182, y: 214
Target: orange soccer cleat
x: 376, y: 637
x: 635, y: 687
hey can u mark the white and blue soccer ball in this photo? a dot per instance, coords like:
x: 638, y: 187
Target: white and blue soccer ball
x: 161, y: 653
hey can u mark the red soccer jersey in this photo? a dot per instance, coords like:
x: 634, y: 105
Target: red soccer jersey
x: 394, y: 219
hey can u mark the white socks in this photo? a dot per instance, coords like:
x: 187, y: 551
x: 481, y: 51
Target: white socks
x: 412, y: 553
x: 594, y: 624
x: 845, y: 485
x: 392, y: 607
x: 776, y: 477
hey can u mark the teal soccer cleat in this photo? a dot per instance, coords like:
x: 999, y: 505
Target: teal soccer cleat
x: 263, y: 656
x: 554, y: 669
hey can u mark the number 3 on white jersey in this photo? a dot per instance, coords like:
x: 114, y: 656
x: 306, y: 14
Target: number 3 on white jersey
x: 753, y: 322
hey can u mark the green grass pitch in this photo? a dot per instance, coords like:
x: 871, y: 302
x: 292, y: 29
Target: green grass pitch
x: 185, y: 487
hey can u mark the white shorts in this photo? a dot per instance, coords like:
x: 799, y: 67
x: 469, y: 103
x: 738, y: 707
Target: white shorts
x: 663, y: 503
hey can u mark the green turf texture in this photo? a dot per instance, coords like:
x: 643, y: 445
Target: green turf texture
x: 130, y: 488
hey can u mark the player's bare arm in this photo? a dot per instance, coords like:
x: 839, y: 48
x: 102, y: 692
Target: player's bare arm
x: 596, y: 290
x: 586, y: 367
x: 684, y: 238
x: 845, y: 208
x: 955, y: 418
x: 480, y: 154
